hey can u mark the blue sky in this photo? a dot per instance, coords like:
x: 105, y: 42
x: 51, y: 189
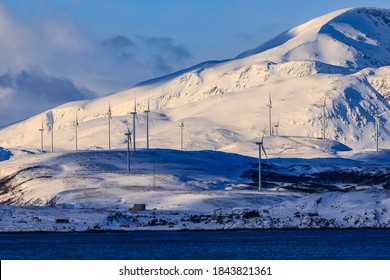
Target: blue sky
x: 63, y: 50
x: 215, y: 29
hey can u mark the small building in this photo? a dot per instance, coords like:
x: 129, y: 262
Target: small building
x: 138, y: 207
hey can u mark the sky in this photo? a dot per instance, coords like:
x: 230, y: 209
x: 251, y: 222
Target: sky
x: 55, y: 51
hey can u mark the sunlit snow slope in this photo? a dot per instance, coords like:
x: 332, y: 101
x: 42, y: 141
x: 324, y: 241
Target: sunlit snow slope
x: 343, y: 56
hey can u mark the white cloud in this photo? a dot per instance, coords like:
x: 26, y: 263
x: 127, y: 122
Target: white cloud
x: 23, y: 94
x: 56, y: 51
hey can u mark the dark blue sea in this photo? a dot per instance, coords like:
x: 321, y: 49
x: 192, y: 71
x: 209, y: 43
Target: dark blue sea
x: 198, y: 245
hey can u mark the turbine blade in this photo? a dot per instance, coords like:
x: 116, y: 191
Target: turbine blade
x: 262, y: 137
x: 265, y: 153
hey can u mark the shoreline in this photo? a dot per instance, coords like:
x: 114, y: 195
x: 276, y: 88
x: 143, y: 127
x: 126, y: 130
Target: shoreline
x: 195, y: 230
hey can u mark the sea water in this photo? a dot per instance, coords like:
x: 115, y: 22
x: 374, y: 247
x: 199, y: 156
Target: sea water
x: 197, y: 245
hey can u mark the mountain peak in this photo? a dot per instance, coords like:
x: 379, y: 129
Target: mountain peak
x: 312, y: 27
x: 353, y: 38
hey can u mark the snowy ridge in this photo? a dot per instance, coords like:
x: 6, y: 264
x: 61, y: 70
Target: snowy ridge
x: 305, y: 32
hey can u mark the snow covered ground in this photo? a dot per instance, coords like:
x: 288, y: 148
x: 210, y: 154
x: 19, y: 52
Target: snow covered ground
x: 342, y: 58
x: 91, y: 190
x: 366, y: 209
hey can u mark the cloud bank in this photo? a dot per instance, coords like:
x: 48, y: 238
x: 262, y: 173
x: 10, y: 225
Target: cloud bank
x: 22, y: 94
x: 51, y: 60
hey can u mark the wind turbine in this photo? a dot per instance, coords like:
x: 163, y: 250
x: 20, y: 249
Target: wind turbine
x: 51, y: 123
x: 134, y: 113
x: 109, y: 114
x: 147, y: 125
x: 157, y: 104
x: 269, y: 105
x: 261, y: 148
x: 376, y: 116
x: 323, y: 118
x: 128, y: 134
x: 277, y: 128
x: 41, y: 130
x: 76, y: 124
x: 181, y: 134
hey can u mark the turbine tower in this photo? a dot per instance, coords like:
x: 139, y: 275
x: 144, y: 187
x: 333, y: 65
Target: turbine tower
x: 269, y: 105
x: 181, y: 134
x: 134, y: 113
x: 377, y: 130
x: 128, y: 135
x: 41, y: 130
x: 261, y: 148
x: 147, y: 125
x: 76, y: 124
x: 109, y: 114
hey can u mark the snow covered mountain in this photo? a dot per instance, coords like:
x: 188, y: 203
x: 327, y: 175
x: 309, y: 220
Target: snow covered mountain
x: 343, y: 56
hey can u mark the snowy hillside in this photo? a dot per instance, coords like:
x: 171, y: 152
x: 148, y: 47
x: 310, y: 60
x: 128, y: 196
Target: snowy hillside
x: 342, y: 56
x: 91, y: 190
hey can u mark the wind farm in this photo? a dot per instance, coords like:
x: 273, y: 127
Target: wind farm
x: 326, y: 140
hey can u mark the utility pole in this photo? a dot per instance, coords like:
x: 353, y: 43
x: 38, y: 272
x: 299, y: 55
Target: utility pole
x: 41, y: 130
x: 181, y: 134
x: 109, y: 126
x: 128, y: 134
x: 76, y: 129
x: 147, y: 126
